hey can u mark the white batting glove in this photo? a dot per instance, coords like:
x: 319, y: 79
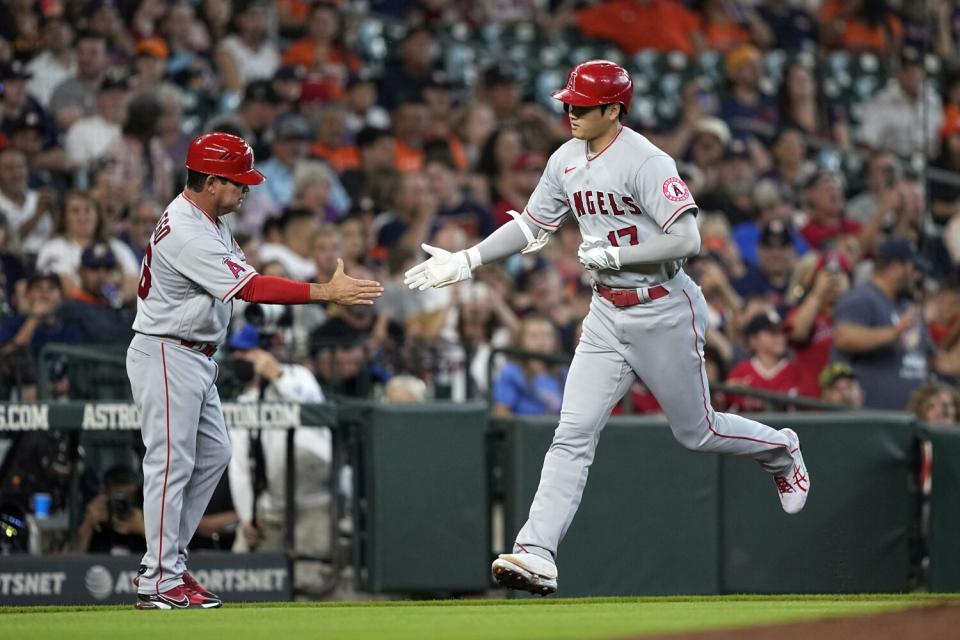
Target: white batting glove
x: 596, y: 254
x: 441, y: 270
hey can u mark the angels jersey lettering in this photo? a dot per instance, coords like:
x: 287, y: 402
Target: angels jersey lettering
x: 627, y: 193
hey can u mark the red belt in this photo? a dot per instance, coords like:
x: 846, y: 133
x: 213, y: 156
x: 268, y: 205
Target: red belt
x: 631, y: 297
x: 205, y: 348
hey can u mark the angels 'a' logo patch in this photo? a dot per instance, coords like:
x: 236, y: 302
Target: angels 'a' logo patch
x: 235, y: 269
x: 675, y: 189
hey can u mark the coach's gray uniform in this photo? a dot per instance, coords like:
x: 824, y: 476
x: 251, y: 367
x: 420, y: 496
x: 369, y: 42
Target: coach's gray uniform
x: 191, y: 271
x: 628, y: 193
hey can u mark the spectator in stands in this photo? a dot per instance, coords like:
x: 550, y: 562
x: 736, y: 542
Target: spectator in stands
x: 776, y: 258
x: 726, y: 25
x: 860, y: 25
x: 313, y: 190
x: 531, y: 387
x: 292, y: 134
x: 809, y: 324
x: 144, y: 215
x: 55, y: 62
x: 332, y: 144
x: 769, y: 368
x: 113, y: 522
x: 418, y: 52
x: 793, y: 27
x: 95, y: 305
x: 321, y: 52
x: 40, y: 321
x: 376, y: 149
x: 881, y: 334
x: 90, y: 138
x: 748, y: 112
x: 354, y: 243
x: 360, y: 101
x: 12, y: 269
x: 839, y: 384
x: 18, y: 106
x: 150, y: 66
x: 76, y: 97
x: 823, y: 201
x: 499, y: 154
x: 410, y: 122
x: 296, y: 253
x: 935, y: 403
x: 138, y: 160
x: 502, y: 91
x: 945, y: 190
x: 250, y: 53
x: 252, y: 121
x: 803, y: 106
x: 884, y: 176
x: 258, y: 467
x: 790, y: 165
x: 708, y: 149
x: 80, y: 225
x: 405, y: 389
x: 627, y: 24
x: 905, y: 116
x: 45, y: 157
x: 732, y: 193
x: 516, y: 186
x: 454, y: 206
x: 28, y: 211
x: 412, y: 215
x: 772, y: 204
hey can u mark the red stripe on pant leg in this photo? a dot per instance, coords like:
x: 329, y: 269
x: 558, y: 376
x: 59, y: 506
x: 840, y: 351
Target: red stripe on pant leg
x: 166, y: 470
x: 703, y: 389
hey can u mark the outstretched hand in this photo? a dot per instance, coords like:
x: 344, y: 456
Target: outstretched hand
x: 440, y: 270
x: 342, y: 289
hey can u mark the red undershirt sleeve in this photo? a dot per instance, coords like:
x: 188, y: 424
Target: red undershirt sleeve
x: 272, y: 290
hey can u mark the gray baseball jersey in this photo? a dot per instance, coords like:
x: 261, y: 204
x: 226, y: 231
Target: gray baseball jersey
x: 627, y: 193
x: 191, y: 271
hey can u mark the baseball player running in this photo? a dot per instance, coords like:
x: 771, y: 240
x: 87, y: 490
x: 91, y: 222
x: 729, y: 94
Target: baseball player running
x: 191, y: 272
x: 646, y: 319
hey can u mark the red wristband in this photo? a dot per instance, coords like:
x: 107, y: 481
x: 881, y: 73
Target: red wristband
x: 272, y: 290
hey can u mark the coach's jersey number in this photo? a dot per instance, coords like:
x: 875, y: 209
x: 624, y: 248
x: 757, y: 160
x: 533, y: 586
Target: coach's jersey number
x: 627, y: 232
x: 161, y: 232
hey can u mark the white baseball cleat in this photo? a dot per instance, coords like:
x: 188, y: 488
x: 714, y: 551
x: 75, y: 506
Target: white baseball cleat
x: 794, y: 487
x: 525, y: 572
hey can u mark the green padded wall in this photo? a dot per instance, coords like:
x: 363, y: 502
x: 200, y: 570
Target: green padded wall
x: 426, y: 525
x: 853, y: 535
x: 945, y: 510
x: 648, y: 520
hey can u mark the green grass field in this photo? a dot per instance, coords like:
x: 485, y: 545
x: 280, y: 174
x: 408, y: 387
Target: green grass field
x: 460, y: 619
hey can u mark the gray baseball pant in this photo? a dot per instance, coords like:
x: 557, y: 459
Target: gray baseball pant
x: 661, y: 342
x: 187, y: 450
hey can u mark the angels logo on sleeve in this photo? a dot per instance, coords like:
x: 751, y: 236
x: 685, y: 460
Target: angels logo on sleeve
x: 235, y: 268
x: 675, y: 189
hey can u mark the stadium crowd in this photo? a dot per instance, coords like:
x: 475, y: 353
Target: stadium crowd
x: 821, y: 140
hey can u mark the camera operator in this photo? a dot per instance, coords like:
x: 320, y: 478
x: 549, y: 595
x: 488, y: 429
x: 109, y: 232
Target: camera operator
x: 258, y: 466
x: 114, y: 521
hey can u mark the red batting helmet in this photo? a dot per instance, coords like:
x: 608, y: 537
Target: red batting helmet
x: 597, y: 82
x: 224, y: 155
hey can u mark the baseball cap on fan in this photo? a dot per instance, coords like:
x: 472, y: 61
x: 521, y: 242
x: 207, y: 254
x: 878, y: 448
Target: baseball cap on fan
x: 763, y: 322
x: 98, y: 256
x: 775, y: 235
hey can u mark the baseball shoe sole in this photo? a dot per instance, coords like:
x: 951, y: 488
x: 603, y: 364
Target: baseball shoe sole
x: 514, y: 572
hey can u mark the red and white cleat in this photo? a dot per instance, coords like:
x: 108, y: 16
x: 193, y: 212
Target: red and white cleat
x: 794, y: 486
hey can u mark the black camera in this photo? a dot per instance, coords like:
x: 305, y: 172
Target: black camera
x: 268, y: 317
x: 119, y: 505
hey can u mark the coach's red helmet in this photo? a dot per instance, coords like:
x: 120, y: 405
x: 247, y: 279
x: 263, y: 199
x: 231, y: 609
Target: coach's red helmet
x: 224, y: 155
x: 597, y: 82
